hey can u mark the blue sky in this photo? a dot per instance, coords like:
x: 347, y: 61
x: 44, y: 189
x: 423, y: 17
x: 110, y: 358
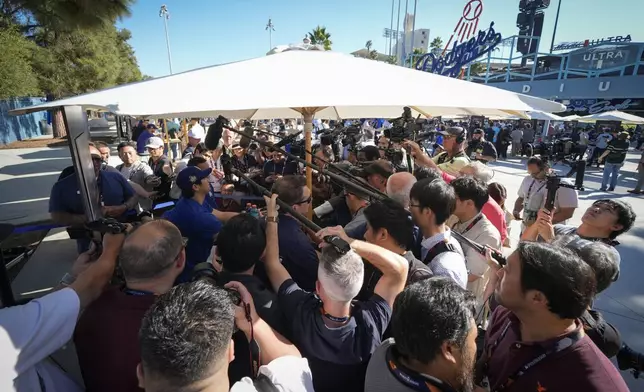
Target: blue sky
x: 209, y: 32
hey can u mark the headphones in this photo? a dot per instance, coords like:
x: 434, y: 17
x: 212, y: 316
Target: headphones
x: 461, y: 138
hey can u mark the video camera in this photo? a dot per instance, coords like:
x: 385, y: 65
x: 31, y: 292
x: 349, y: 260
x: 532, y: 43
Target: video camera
x: 553, y: 183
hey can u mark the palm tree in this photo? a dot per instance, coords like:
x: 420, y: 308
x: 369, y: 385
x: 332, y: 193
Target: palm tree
x: 368, y: 45
x: 436, y: 45
x: 319, y: 36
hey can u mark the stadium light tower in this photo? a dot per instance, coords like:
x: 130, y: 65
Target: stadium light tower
x: 163, y: 13
x: 270, y: 27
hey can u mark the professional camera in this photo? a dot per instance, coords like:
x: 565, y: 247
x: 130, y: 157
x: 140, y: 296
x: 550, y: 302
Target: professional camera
x: 351, y: 136
x: 207, y: 272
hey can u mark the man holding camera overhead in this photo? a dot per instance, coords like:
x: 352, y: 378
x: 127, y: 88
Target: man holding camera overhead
x: 454, y: 157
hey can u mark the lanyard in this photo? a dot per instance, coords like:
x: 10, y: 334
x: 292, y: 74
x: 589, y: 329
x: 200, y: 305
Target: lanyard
x: 411, y: 379
x: 472, y: 224
x: 557, y: 347
x: 530, y: 189
x: 136, y: 293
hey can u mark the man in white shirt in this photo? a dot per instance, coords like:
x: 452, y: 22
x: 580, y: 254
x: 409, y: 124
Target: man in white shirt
x: 532, y: 196
x: 471, y: 196
x: 30, y: 333
x: 196, y: 134
x: 601, y: 144
x: 431, y: 203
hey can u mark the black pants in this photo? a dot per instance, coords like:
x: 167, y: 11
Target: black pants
x: 597, y: 152
x: 502, y: 149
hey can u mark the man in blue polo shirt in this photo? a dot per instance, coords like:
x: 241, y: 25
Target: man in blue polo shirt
x: 196, y: 220
x: 297, y: 252
x: 117, y: 198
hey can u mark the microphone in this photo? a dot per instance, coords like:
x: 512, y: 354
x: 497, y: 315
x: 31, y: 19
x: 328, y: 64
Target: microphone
x: 424, y: 135
x: 215, y: 131
x: 287, y: 140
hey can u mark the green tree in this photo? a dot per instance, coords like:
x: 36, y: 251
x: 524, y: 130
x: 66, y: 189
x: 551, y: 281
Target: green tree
x: 17, y: 78
x: 391, y: 60
x: 436, y: 45
x: 319, y: 36
x: 477, y: 68
x: 368, y: 45
x: 85, y: 60
x: 56, y: 15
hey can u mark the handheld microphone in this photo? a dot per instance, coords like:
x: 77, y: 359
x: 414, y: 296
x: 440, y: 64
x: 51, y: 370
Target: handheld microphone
x: 215, y: 131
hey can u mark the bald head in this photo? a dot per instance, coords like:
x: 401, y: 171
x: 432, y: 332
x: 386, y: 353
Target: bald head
x: 150, y: 250
x: 399, y: 186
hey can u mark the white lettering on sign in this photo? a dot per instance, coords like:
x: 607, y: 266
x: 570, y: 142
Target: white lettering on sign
x: 604, y: 86
x: 600, y: 56
x: 526, y: 89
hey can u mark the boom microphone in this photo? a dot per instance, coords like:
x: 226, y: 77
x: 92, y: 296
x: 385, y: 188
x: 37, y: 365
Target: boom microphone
x: 215, y: 131
x: 287, y: 140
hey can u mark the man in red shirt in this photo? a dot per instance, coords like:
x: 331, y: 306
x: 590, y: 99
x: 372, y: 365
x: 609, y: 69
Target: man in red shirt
x: 535, y: 341
x: 106, y: 335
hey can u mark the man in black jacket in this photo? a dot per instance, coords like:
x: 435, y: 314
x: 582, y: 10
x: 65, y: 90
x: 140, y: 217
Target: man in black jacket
x: 390, y: 226
x: 240, y: 245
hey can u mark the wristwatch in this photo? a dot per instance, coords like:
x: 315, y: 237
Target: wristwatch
x: 272, y: 219
x: 67, y: 279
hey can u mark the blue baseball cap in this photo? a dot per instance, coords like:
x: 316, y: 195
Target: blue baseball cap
x: 190, y: 176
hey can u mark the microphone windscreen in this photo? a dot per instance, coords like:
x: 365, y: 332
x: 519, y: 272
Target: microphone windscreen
x: 213, y: 136
x: 245, y: 140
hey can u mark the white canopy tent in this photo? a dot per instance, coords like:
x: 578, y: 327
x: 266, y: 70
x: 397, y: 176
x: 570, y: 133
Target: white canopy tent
x: 614, y: 115
x: 572, y: 117
x: 334, y: 85
x: 306, y: 83
x: 544, y: 116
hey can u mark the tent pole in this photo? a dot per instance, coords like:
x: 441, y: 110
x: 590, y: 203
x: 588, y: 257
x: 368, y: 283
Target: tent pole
x: 308, y: 128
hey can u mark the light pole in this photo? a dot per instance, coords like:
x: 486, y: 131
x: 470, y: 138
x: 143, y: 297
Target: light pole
x: 398, y: 32
x: 391, y: 28
x: 163, y: 13
x: 554, y: 32
x: 270, y: 27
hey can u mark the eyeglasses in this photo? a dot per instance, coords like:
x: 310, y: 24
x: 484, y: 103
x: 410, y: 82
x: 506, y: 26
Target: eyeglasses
x: 305, y: 201
x: 416, y: 205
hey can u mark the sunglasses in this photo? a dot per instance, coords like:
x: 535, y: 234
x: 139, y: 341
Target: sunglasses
x: 305, y: 201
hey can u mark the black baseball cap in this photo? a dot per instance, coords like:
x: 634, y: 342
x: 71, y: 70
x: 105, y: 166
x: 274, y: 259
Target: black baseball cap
x: 453, y: 131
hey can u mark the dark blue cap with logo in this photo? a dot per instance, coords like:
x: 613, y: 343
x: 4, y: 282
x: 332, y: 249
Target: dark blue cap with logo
x: 190, y: 176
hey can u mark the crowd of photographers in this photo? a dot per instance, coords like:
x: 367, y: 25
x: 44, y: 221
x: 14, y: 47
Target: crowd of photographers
x: 387, y: 296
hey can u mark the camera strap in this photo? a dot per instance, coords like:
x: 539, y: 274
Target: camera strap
x: 556, y: 347
x: 412, y: 379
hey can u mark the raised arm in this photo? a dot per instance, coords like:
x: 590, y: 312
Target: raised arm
x: 276, y: 272
x: 272, y: 345
x: 394, y: 267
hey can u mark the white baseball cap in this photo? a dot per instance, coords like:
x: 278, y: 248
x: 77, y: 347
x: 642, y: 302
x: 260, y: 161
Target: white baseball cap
x: 154, y: 142
x: 197, y: 132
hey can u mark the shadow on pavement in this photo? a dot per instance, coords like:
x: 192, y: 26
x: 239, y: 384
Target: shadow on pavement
x: 62, y: 152
x: 26, y: 188
x: 33, y: 167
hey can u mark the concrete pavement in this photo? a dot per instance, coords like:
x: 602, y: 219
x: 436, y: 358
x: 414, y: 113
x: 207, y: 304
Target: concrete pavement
x: 26, y: 177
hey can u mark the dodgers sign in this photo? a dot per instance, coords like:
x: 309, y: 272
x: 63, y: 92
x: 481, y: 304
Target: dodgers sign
x: 461, y: 54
